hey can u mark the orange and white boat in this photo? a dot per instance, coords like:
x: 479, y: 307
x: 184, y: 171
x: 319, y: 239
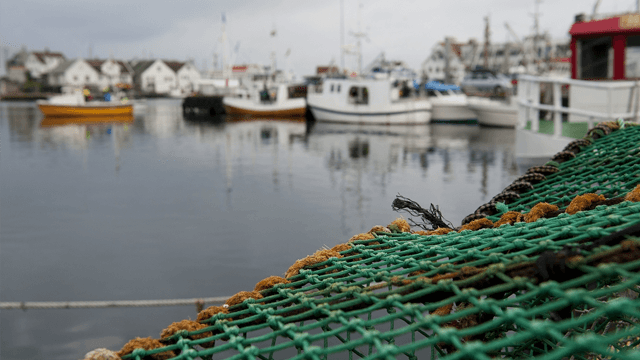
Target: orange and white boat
x: 73, y: 105
x: 280, y: 101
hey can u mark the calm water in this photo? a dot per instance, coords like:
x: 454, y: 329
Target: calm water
x: 166, y: 208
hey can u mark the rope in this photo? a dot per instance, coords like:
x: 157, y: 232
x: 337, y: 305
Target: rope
x: 108, y: 304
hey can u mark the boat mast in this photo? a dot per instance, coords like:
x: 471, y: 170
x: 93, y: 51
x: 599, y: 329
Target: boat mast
x: 359, y: 35
x: 342, y: 35
x: 223, y: 40
x: 536, y: 36
x: 487, y: 35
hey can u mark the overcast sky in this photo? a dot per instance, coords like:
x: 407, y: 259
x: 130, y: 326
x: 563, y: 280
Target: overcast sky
x: 404, y: 30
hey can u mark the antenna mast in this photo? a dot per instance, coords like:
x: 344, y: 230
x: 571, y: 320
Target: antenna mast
x: 358, y: 36
x: 487, y: 36
x: 342, y: 35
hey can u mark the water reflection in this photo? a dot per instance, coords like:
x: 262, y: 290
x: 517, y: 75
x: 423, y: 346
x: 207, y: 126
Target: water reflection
x: 201, y: 208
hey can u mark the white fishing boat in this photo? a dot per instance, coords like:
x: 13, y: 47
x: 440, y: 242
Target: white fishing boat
x: 368, y: 101
x: 605, y: 53
x: 448, y: 102
x: 494, y: 112
x: 278, y: 101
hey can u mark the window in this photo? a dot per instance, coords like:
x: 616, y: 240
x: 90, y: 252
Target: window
x: 159, y: 69
x: 331, y: 88
x: 593, y: 57
x: 632, y: 57
x: 358, y: 95
x: 75, y: 78
x: 86, y: 78
x: 338, y: 90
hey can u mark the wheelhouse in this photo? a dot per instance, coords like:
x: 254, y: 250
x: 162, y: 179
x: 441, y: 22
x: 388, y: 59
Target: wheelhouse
x: 606, y: 49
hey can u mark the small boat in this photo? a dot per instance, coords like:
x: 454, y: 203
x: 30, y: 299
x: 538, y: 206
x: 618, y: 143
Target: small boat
x: 74, y: 105
x: 448, y: 103
x: 494, y: 112
x: 278, y: 101
x: 368, y: 101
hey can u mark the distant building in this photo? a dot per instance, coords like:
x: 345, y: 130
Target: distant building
x: 34, y: 64
x: 8, y: 86
x: 72, y: 74
x: 435, y: 66
x: 534, y: 55
x: 187, y: 76
x: 112, y: 73
x: 154, y: 77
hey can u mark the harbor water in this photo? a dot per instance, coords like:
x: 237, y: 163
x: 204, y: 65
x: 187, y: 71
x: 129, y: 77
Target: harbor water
x: 167, y: 208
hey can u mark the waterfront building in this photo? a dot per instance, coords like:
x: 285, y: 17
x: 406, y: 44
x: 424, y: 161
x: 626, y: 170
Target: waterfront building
x: 27, y: 65
x: 112, y: 73
x: 73, y: 74
x: 187, y: 76
x: 450, y: 59
x: 154, y: 77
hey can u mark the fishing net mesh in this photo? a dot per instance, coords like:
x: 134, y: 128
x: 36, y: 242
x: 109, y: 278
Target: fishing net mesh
x: 549, y: 289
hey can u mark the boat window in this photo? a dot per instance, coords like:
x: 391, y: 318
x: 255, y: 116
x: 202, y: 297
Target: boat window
x: 338, y: 90
x: 358, y: 95
x: 632, y: 57
x: 594, y: 59
x: 331, y: 87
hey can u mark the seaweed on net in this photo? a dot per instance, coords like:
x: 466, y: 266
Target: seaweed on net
x: 431, y: 218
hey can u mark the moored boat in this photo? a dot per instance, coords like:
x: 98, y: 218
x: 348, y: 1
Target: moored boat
x: 74, y: 105
x: 280, y: 101
x: 448, y: 103
x: 494, y: 112
x: 368, y: 101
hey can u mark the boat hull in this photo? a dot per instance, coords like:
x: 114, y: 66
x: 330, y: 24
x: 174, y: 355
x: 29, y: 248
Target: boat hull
x: 495, y: 113
x: 85, y: 110
x: 451, y: 112
x: 232, y: 110
x: 414, y: 116
x: 292, y: 107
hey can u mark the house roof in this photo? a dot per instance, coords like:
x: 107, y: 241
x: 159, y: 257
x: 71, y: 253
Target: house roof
x: 141, y: 66
x: 63, y: 66
x: 96, y: 64
x: 174, y: 65
x: 18, y: 59
x: 42, y: 55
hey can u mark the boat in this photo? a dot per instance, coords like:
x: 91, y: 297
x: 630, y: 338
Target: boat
x: 449, y: 103
x: 72, y: 105
x: 281, y: 100
x: 605, y: 64
x: 498, y: 112
x: 371, y: 100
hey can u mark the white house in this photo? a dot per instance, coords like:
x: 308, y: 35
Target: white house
x: 187, y: 76
x: 36, y: 63
x: 435, y: 66
x: 154, y: 76
x: 112, y: 73
x: 72, y: 74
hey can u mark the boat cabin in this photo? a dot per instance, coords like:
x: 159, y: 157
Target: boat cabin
x: 606, y: 49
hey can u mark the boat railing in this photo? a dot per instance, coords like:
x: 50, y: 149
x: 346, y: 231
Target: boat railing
x: 617, y: 95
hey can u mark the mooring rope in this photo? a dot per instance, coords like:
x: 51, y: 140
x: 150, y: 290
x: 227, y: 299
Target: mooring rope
x: 109, y: 304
